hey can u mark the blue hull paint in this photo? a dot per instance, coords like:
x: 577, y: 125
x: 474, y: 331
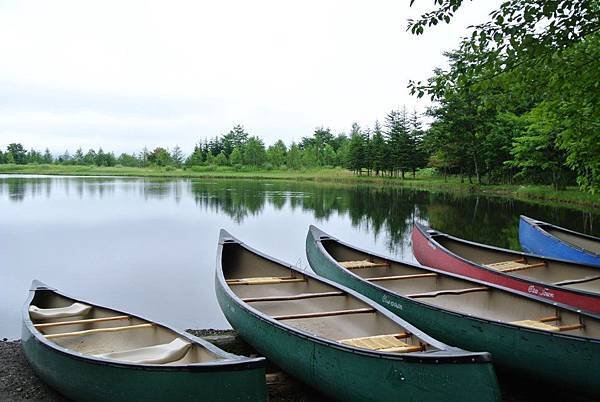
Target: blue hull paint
x: 535, y: 240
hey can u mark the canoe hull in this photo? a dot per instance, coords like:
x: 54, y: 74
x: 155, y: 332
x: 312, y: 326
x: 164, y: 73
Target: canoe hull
x: 527, y: 353
x: 81, y: 379
x: 429, y: 254
x: 335, y: 371
x: 78, y: 377
x: 535, y: 240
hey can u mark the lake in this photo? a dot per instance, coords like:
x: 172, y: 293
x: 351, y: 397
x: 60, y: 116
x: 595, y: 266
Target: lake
x: 148, y: 246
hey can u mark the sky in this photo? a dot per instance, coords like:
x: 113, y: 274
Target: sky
x: 122, y: 75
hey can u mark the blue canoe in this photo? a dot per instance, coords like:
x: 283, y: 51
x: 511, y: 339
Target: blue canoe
x: 545, y: 239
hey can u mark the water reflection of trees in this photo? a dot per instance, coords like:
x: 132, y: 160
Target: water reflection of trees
x: 380, y: 210
x: 387, y: 210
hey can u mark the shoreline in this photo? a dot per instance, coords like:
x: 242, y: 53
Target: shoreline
x: 539, y: 194
x: 19, y: 382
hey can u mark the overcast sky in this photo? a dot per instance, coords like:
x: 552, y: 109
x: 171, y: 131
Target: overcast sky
x: 129, y: 74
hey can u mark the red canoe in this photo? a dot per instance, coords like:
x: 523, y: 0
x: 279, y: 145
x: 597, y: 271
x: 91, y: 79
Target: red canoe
x: 577, y: 285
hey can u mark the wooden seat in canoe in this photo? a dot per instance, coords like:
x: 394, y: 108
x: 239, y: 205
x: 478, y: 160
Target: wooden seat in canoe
x: 156, y: 354
x: 536, y: 324
x: 363, y: 264
x: 511, y: 266
x: 542, y: 324
x: 265, y: 280
x: 383, y: 343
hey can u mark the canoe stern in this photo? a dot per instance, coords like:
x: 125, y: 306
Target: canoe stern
x: 534, y: 239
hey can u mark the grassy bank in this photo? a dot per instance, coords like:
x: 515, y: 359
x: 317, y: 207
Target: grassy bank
x: 424, y: 181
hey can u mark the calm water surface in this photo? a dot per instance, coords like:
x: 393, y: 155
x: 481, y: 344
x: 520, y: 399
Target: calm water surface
x: 148, y: 246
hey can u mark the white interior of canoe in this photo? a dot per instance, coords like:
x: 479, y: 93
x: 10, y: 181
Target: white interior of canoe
x: 583, y: 242
x: 459, y: 295
x: 557, y: 273
x: 313, y: 306
x: 109, y: 334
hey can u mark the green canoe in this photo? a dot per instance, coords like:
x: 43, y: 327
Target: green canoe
x: 92, y: 353
x: 338, y: 341
x: 527, y: 336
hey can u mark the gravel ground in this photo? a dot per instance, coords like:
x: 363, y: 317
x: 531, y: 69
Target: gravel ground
x: 19, y: 383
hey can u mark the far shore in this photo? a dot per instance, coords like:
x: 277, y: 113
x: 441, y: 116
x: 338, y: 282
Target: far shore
x: 571, y: 196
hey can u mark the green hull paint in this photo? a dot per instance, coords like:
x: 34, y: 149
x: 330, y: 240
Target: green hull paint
x: 563, y: 360
x: 81, y: 379
x: 352, y: 376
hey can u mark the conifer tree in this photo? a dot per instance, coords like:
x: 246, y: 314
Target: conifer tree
x: 379, y: 151
x: 356, y: 150
x: 177, y: 156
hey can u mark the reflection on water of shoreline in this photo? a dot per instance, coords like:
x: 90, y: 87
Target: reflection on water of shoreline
x: 391, y: 210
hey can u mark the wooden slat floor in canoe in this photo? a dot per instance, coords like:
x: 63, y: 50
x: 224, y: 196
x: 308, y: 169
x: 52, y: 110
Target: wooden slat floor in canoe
x: 511, y: 266
x: 383, y: 343
x: 362, y: 264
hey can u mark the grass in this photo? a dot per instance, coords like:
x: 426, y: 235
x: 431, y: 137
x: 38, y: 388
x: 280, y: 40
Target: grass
x: 425, y: 180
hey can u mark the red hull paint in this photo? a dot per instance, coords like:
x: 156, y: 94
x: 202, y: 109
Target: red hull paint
x: 432, y: 255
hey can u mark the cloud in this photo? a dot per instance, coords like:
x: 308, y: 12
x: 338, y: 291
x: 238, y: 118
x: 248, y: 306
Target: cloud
x: 128, y: 74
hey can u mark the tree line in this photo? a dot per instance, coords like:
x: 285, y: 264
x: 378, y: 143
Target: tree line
x: 393, y: 149
x: 520, y: 100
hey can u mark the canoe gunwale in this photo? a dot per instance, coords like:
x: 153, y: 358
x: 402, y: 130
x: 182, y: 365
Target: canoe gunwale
x: 445, y: 355
x: 429, y: 237
x: 230, y: 362
x: 539, y: 226
x: 318, y: 235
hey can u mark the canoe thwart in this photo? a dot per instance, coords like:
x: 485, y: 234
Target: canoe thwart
x: 571, y: 327
x: 98, y: 330
x: 574, y: 281
x: 292, y: 297
x: 266, y: 280
x: 448, y: 292
x: 323, y: 314
x: 400, y: 277
x: 363, y: 264
x: 512, y: 266
x: 383, y: 343
x: 548, y: 319
x: 88, y: 321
